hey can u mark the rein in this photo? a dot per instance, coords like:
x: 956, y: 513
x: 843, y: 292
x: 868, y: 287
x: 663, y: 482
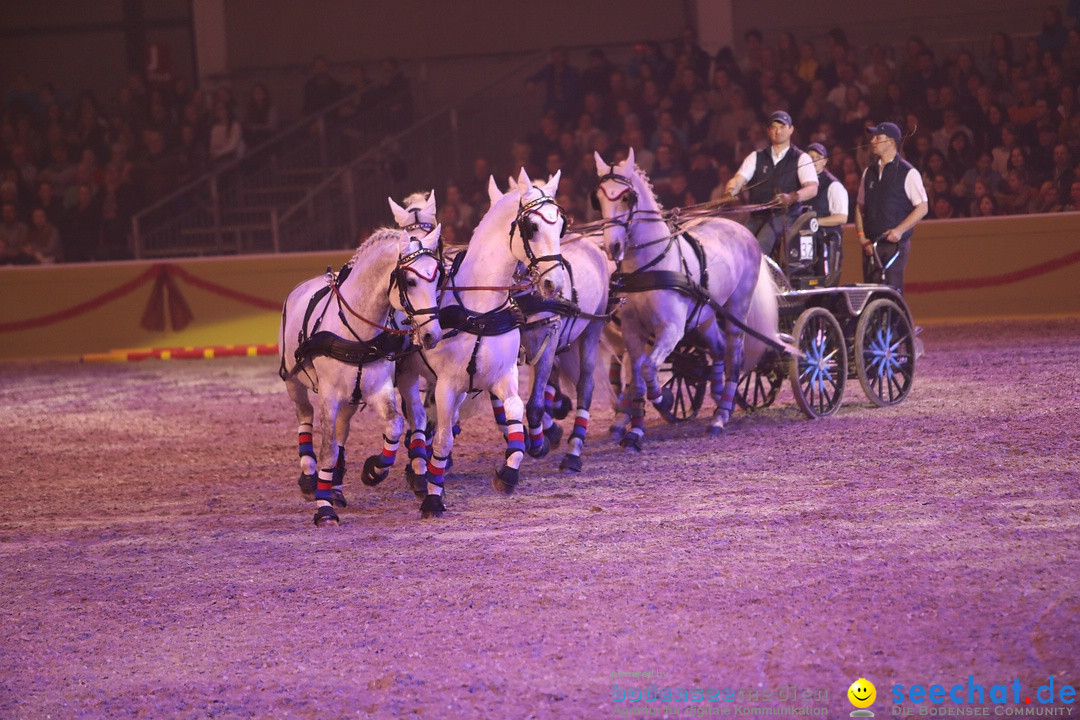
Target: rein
x: 345, y: 304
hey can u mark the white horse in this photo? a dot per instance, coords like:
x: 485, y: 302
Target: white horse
x: 563, y: 325
x: 480, y: 349
x: 658, y: 268
x: 338, y: 339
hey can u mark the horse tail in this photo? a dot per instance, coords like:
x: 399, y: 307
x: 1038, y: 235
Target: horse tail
x: 763, y: 316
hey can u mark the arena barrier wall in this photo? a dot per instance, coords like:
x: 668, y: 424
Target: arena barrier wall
x: 959, y: 269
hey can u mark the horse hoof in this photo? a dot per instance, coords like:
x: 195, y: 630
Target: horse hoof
x: 665, y: 402
x: 617, y: 433
x: 543, y: 449
x: 631, y: 441
x: 561, y: 408
x: 553, y: 434
x: 432, y: 507
x: 337, y: 497
x: 715, y: 430
x: 373, y: 474
x: 570, y: 463
x: 505, y: 479
x: 307, y: 485
x: 326, y: 517
x: 417, y: 482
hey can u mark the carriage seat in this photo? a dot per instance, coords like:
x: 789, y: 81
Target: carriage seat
x: 812, y: 254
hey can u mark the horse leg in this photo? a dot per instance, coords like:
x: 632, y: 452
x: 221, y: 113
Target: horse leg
x: 636, y: 390
x: 715, y: 345
x: 330, y: 406
x: 305, y: 416
x: 408, y: 383
x: 499, y: 413
x: 377, y: 467
x: 733, y: 362
x: 536, y: 408
x: 442, y: 444
x: 622, y: 398
x: 666, y: 340
x: 506, y: 477
x: 341, y: 430
x: 586, y: 348
x: 556, y: 407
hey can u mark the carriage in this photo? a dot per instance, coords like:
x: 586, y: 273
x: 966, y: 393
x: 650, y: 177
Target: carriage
x: 848, y: 332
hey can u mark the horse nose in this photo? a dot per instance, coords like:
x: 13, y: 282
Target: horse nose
x: 548, y: 288
x: 432, y: 337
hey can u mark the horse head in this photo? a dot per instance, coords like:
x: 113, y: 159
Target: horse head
x: 419, y: 269
x: 616, y: 198
x: 537, y: 232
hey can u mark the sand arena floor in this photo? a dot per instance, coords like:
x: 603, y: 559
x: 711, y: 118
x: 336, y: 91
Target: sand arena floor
x: 157, y: 560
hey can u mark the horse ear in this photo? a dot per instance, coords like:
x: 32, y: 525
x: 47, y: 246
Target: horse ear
x: 602, y: 168
x: 432, y: 239
x: 429, y: 209
x: 494, y: 194
x: 630, y: 159
x: 552, y: 186
x: 523, y: 181
x: 401, y: 216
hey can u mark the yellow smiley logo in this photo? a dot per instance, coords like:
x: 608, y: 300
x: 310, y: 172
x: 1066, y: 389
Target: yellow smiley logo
x: 862, y: 693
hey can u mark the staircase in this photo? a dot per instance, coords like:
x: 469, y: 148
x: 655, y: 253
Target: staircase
x: 323, y: 181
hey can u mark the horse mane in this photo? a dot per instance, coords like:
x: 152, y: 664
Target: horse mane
x: 489, y: 218
x: 644, y: 178
x: 380, y: 237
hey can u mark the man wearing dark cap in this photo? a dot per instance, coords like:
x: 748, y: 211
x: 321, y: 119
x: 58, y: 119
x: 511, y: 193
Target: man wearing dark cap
x: 780, y: 173
x: 830, y: 205
x: 891, y: 200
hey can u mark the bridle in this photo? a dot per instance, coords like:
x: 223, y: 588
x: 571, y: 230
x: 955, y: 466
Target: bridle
x: 631, y: 197
x: 405, y: 265
x: 526, y: 232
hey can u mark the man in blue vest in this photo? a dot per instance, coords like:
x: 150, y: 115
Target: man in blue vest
x: 891, y: 200
x: 780, y: 173
x: 831, y: 208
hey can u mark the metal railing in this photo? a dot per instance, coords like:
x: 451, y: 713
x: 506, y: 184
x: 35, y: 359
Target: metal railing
x: 325, y: 179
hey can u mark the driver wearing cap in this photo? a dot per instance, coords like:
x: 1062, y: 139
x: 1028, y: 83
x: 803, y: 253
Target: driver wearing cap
x: 780, y: 173
x: 892, y: 199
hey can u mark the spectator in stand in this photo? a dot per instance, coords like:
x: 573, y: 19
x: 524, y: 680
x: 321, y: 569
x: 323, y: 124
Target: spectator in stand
x: 1074, y: 197
x: 561, y: 84
x: 984, y: 206
x: 157, y: 172
x: 960, y: 154
x: 60, y: 172
x: 807, y: 66
x: 261, y: 117
x: 1053, y: 36
x: 1062, y: 172
x: 702, y: 176
x: 190, y: 156
x: 1018, y: 197
x: 226, y: 136
x: 43, y: 239
x: 699, y: 61
x: 982, y: 172
x: 117, y: 204
x: 1049, y: 200
x: 596, y: 77
x: 81, y: 234
x: 13, y: 232
x: 47, y: 199
x: 321, y: 89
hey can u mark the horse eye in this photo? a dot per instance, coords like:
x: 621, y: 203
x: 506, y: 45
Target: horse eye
x: 410, y: 283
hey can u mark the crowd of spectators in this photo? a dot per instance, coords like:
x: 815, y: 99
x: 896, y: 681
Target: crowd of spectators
x: 74, y: 170
x: 994, y: 133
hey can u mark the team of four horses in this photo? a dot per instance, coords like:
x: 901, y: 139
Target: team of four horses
x: 408, y: 318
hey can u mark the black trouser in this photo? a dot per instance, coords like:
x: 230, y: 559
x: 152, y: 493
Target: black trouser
x: 769, y: 227
x: 894, y: 270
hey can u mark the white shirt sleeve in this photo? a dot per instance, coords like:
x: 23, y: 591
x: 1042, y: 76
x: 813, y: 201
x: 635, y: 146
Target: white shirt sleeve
x: 838, y: 199
x: 913, y: 187
x: 806, y: 171
x: 748, y: 167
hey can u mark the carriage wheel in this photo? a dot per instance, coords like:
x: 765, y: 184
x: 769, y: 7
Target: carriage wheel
x: 685, y: 372
x: 885, y: 352
x: 759, y: 386
x: 818, y: 377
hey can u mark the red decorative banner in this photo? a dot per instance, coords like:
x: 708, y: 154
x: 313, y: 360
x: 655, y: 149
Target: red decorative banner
x: 165, y: 292
x: 994, y: 280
